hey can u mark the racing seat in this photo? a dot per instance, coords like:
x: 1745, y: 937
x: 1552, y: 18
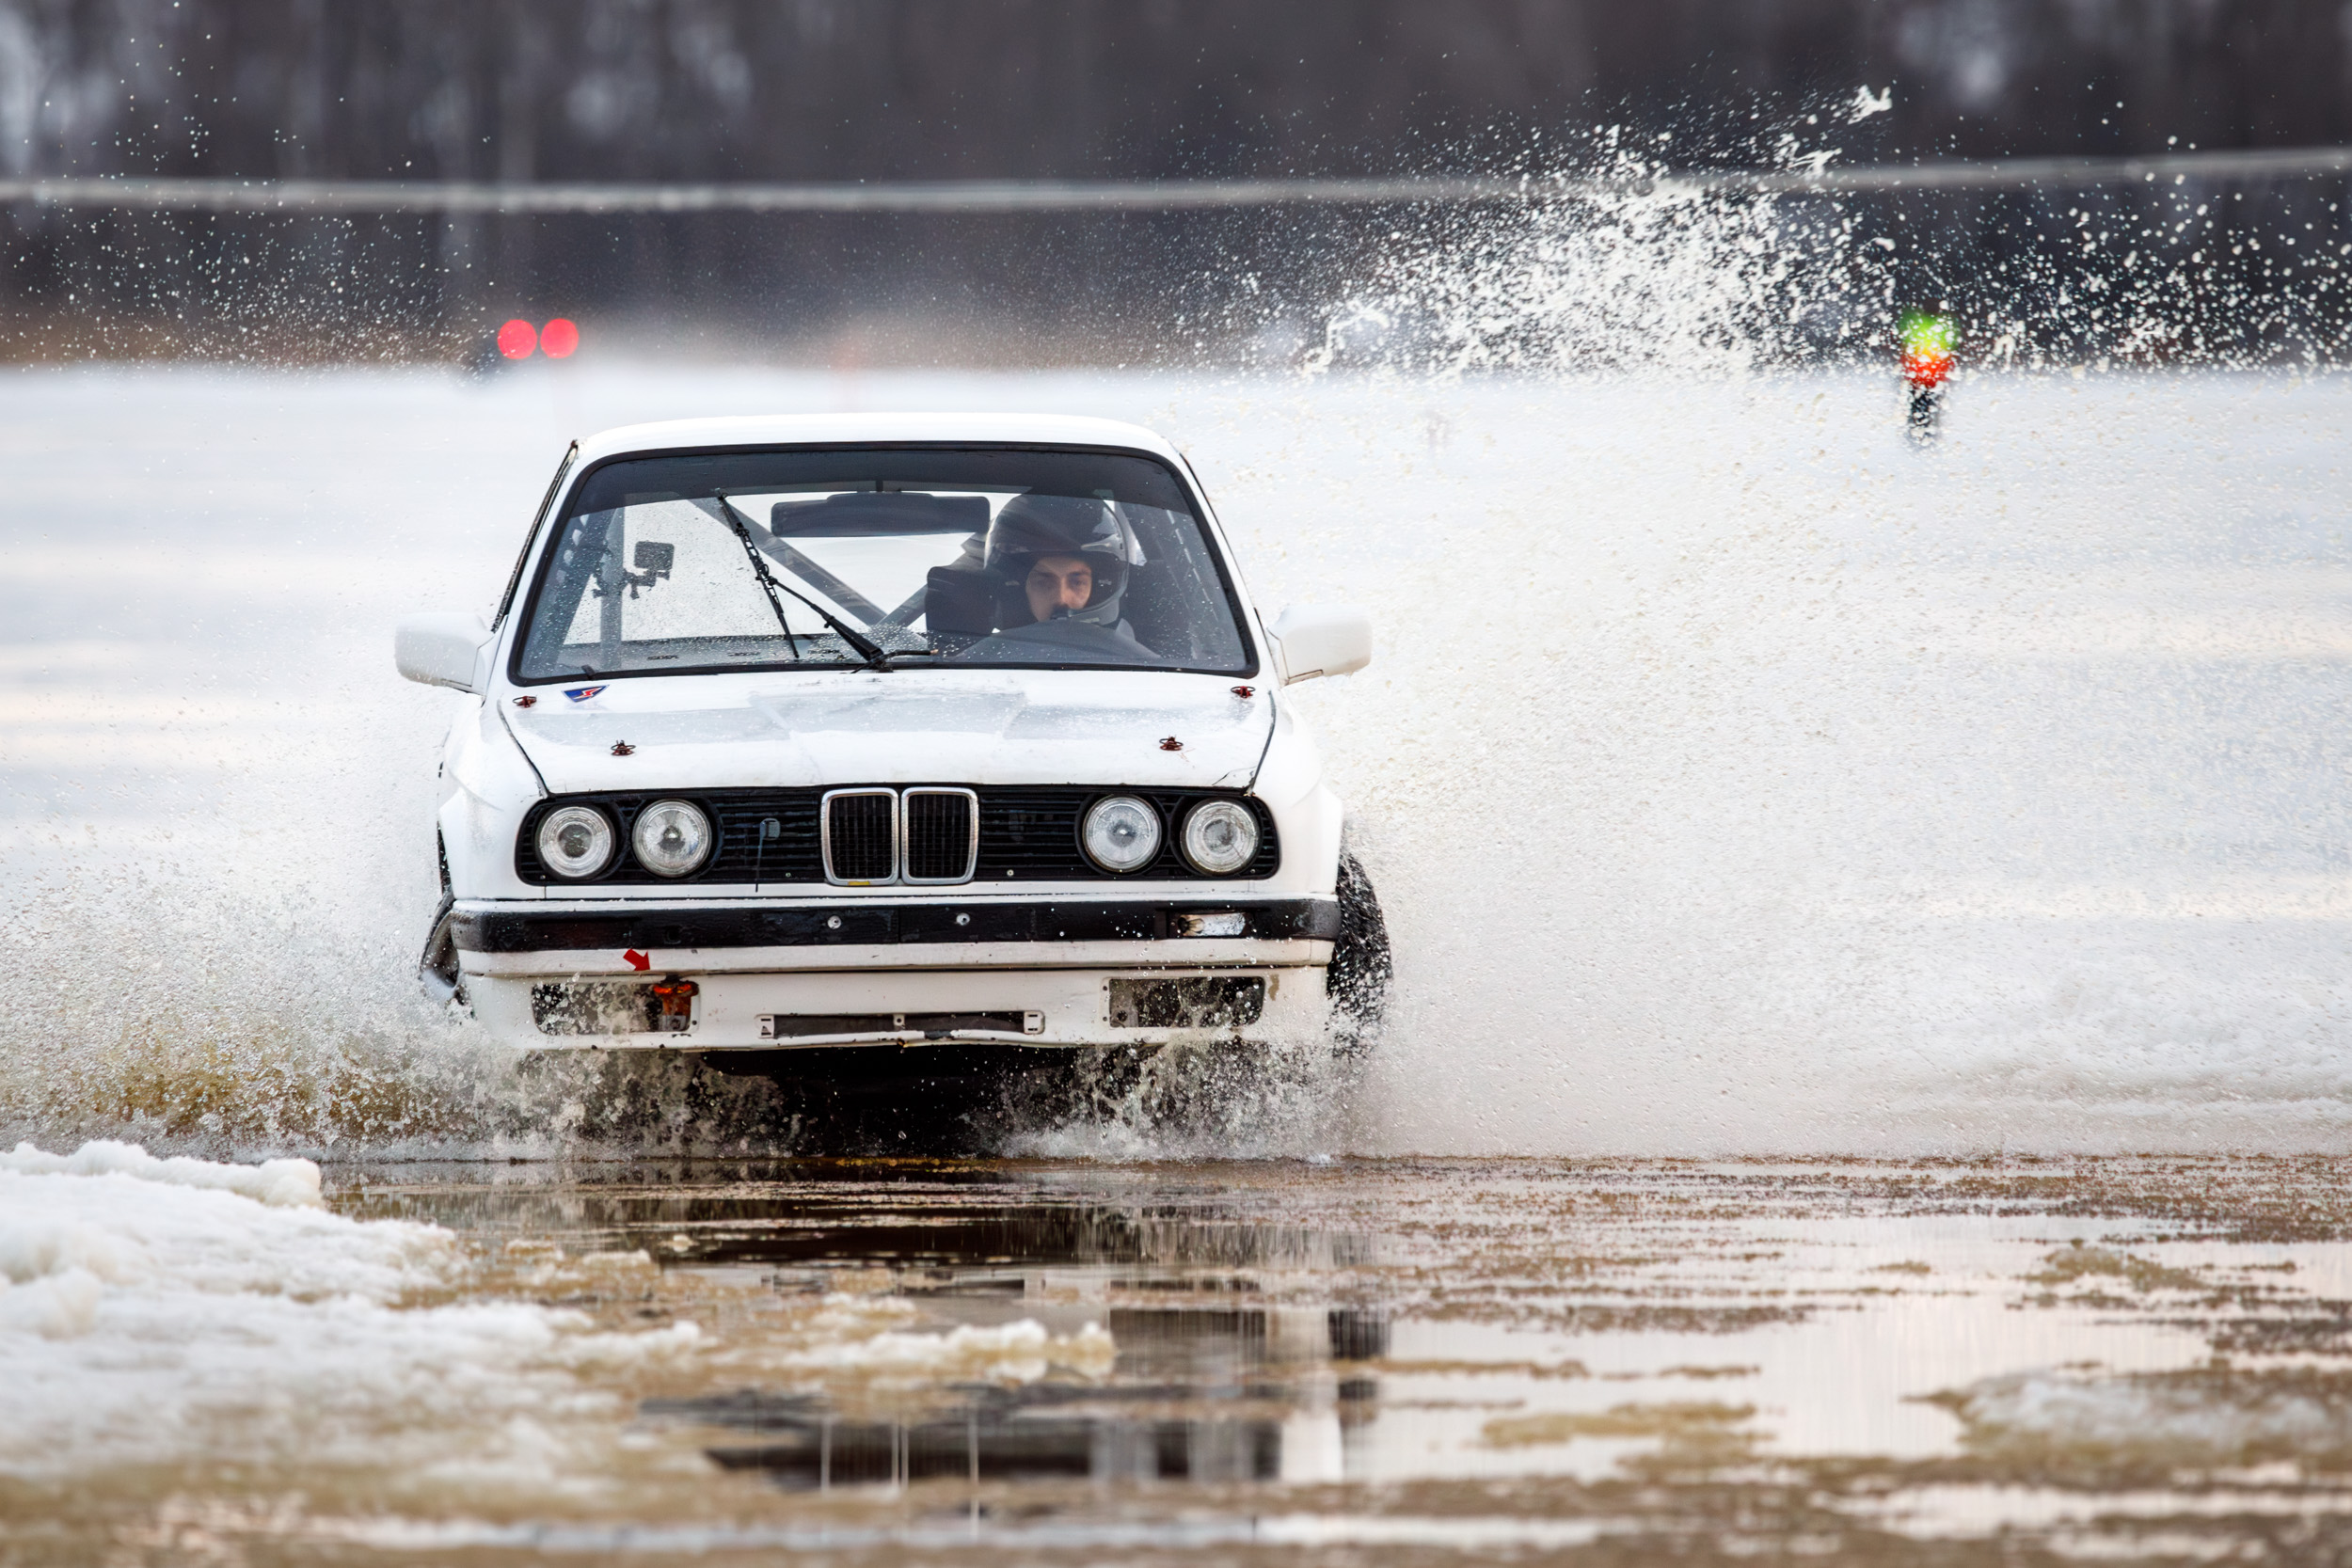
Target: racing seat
x: 964, y: 601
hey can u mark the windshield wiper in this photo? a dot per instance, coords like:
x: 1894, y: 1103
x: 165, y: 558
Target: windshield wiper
x: 870, y: 651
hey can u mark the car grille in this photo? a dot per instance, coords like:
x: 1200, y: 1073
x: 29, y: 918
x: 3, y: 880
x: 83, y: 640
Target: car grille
x: 1026, y: 832
x: 941, y: 837
x: 862, y: 835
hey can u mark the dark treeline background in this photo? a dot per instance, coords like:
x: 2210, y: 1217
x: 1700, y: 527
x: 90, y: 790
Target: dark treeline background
x: 872, y: 89
x: 885, y: 89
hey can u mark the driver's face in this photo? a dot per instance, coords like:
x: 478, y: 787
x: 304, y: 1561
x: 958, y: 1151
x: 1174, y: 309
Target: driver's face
x: 1058, y: 582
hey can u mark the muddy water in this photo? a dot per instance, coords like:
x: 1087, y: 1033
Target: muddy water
x: 1000, y: 1361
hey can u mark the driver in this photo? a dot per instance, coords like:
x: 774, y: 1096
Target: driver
x: 1054, y: 569
x: 1057, y: 585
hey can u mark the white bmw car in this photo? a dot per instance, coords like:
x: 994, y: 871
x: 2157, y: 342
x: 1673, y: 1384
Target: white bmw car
x: 887, y: 734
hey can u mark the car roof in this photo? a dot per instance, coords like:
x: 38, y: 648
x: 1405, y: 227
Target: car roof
x: 821, y: 429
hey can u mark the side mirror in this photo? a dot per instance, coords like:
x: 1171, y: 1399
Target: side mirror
x: 1323, y: 640
x: 442, y: 649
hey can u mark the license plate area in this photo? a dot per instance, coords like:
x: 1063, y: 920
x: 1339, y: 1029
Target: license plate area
x: 1187, y: 1002
x: 614, y: 1006
x: 788, y: 1026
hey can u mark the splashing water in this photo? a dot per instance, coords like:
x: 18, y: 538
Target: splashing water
x: 1646, y: 276
x: 1739, y: 779
x: 1735, y: 776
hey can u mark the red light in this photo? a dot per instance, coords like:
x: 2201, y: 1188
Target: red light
x: 559, y: 337
x: 516, y: 339
x: 1927, y: 370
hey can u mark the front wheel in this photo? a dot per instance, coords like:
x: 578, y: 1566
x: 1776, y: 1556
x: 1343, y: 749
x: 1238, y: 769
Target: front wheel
x: 1361, y: 965
x: 437, y: 968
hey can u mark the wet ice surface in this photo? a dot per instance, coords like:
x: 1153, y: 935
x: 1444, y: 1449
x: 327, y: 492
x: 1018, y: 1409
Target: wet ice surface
x: 1024, y: 1361
x: 1736, y: 778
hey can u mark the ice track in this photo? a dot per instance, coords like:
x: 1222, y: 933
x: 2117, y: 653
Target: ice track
x: 1737, y: 777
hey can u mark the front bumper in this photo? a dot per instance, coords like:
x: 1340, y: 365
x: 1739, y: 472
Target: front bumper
x: 792, y: 976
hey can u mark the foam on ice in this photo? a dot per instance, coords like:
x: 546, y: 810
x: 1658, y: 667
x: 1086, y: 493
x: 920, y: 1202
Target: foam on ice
x: 156, y: 1311
x: 282, y: 1184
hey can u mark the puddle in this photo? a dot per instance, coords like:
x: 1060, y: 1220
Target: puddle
x: 1026, y: 1359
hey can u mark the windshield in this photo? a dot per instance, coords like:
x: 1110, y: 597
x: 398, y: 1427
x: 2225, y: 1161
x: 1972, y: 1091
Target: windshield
x: 732, y: 560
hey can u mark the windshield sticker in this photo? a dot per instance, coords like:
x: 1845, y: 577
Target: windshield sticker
x: 581, y: 694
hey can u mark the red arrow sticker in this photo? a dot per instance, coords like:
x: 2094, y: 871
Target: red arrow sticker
x: 637, y: 959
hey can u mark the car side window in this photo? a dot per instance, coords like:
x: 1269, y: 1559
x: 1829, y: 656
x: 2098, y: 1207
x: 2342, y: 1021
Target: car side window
x: 546, y: 503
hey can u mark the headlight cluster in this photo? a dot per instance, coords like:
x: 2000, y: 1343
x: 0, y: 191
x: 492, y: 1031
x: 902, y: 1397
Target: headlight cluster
x: 672, y: 838
x: 1220, y: 837
x: 1121, y: 833
x: 576, y: 842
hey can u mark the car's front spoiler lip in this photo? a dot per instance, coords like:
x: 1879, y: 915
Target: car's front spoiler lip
x: 1144, y: 927
x: 1190, y: 955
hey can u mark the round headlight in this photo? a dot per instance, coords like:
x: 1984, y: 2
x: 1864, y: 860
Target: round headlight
x: 670, y: 837
x: 1123, y: 833
x: 576, y: 842
x: 1220, y: 837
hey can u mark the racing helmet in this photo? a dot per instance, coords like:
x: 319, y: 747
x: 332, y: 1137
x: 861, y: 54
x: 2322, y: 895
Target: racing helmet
x: 1030, y: 526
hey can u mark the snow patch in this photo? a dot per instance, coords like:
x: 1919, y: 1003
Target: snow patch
x: 175, y: 1310
x: 281, y: 1183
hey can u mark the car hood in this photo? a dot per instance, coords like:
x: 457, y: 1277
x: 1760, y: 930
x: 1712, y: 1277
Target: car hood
x: 837, y: 727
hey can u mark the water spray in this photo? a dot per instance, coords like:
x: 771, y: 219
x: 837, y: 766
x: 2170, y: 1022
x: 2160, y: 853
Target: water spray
x: 1927, y: 344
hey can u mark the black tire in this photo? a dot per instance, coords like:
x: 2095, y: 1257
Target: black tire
x: 437, y: 967
x: 1362, y: 967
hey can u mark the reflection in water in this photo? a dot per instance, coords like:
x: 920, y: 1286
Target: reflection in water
x: 1211, y: 1383
x: 1021, y: 1444
x: 1207, y: 1385
x: 1212, y: 1394
x: 1855, y: 1362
